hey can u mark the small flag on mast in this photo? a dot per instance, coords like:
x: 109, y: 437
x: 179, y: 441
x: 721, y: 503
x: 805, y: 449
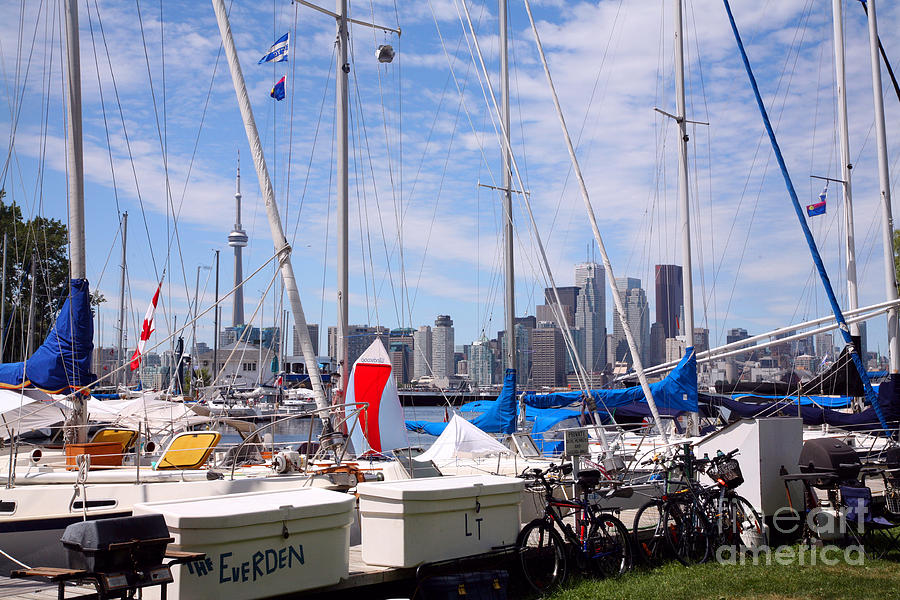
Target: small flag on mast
x: 819, y: 207
x: 279, y: 50
x: 146, y: 330
x: 278, y: 91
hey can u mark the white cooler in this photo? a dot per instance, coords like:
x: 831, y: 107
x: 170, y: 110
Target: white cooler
x: 409, y: 522
x: 257, y: 545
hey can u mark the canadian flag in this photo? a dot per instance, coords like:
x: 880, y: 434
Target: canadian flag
x: 146, y: 330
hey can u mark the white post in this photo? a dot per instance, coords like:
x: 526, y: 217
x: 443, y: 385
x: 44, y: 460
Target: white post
x: 268, y: 194
x: 887, y: 225
x: 840, y: 77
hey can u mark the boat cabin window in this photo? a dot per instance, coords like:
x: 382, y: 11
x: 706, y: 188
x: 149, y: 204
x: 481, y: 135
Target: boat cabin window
x: 7, y: 508
x: 524, y: 445
x: 104, y: 503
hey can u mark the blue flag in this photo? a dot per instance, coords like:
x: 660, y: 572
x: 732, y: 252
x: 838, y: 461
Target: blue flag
x: 278, y: 90
x: 818, y: 208
x: 279, y: 50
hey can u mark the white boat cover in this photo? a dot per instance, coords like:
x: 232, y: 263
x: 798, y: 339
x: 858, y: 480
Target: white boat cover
x: 29, y: 410
x: 462, y: 439
x: 381, y: 426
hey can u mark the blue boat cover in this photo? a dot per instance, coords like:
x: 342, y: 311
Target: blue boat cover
x: 500, y: 415
x: 888, y: 393
x: 63, y: 362
x: 677, y: 392
x: 822, y: 401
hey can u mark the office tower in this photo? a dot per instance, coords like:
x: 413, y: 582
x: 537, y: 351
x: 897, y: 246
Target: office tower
x: 548, y: 353
x: 736, y: 335
x: 637, y: 315
x: 568, y: 296
x: 313, y: 336
x: 480, y: 363
x: 590, y: 316
x: 669, y: 298
x: 701, y: 339
x: 442, y: 347
x: 237, y: 239
x: 825, y: 345
x: 401, y: 351
x: 657, y: 345
x: 555, y: 313
x: 359, y: 337
x: 422, y: 351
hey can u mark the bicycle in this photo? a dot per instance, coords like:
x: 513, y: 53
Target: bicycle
x: 598, y: 541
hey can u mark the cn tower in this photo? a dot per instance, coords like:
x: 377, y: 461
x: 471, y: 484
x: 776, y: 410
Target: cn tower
x: 237, y: 239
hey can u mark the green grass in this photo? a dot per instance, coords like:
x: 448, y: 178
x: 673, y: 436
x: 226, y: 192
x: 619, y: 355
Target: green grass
x: 875, y: 579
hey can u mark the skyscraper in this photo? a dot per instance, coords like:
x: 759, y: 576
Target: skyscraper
x: 313, y: 337
x: 590, y: 316
x: 442, y: 349
x: 548, y: 355
x: 669, y: 298
x: 634, y: 300
x: 422, y: 351
x: 237, y: 239
x: 480, y: 363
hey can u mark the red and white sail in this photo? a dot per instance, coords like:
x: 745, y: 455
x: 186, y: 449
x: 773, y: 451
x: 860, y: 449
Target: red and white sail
x: 381, y: 425
x: 146, y: 329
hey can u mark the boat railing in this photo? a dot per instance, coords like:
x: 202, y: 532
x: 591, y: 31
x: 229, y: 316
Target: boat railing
x: 330, y: 441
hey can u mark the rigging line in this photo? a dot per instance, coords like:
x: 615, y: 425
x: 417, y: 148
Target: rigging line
x: 170, y: 205
x: 290, y: 144
x: 328, y: 215
x: 362, y: 206
x: 18, y: 105
x: 312, y: 151
x: 505, y: 145
x: 780, y: 80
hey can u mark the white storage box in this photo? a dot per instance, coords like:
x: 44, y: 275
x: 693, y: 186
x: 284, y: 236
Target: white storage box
x: 409, y: 522
x: 258, y: 545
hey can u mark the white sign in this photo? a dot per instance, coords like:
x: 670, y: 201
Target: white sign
x: 575, y: 442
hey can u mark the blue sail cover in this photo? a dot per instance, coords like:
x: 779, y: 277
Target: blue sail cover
x: 497, y: 416
x: 674, y: 394
x: 63, y: 362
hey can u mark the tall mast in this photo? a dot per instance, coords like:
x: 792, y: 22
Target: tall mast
x: 838, y: 21
x: 343, y: 68
x: 509, y: 304
x: 77, y: 268
x: 683, y: 199
x: 3, y: 300
x: 120, y: 376
x: 216, y: 312
x: 237, y: 239
x: 887, y: 225
x: 268, y: 193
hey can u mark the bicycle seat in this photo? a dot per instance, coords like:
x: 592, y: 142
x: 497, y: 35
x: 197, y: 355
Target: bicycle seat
x: 589, y: 478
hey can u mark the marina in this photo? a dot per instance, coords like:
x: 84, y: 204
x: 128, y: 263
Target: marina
x: 392, y: 462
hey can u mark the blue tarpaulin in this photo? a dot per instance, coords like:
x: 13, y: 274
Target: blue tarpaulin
x: 823, y: 401
x: 677, y: 392
x: 63, y: 362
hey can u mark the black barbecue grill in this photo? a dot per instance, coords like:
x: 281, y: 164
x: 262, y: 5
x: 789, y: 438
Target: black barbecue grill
x: 836, y: 461
x: 119, y: 556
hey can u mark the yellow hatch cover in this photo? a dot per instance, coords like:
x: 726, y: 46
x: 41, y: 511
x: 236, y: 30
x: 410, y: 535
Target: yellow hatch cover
x: 189, y: 450
x: 121, y: 436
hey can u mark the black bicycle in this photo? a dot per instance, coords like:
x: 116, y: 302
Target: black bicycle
x: 572, y: 530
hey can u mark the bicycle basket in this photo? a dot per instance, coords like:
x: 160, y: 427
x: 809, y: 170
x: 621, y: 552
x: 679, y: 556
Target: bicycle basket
x: 892, y: 500
x: 726, y: 472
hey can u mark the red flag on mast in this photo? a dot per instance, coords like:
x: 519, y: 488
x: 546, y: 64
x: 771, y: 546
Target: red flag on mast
x: 146, y: 330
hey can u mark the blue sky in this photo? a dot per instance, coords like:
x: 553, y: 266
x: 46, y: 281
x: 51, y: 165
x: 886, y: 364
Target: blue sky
x: 419, y: 150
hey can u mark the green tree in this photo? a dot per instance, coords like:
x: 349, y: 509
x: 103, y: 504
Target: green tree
x: 46, y: 240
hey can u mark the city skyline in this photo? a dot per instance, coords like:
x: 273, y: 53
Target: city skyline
x: 176, y: 178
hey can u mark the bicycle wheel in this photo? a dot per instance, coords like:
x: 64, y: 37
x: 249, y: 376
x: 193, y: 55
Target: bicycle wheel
x: 542, y: 556
x: 648, y: 533
x: 747, y: 528
x: 688, y: 531
x: 608, y: 546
